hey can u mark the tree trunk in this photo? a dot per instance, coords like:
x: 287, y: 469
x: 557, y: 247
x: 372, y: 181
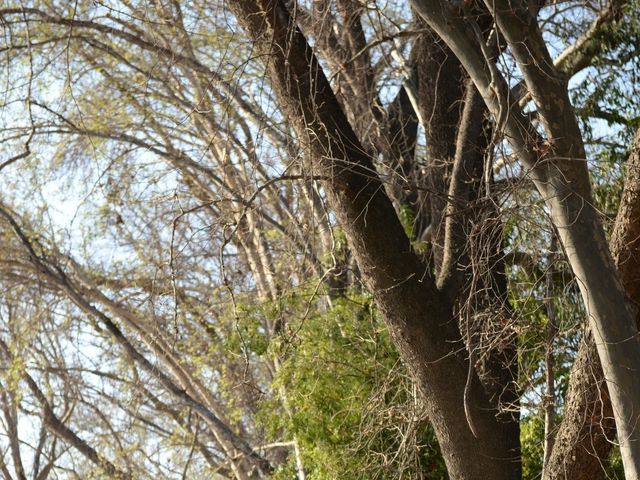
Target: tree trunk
x: 417, y: 314
x: 586, y: 436
x: 557, y: 165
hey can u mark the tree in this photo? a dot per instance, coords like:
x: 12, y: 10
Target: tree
x: 249, y: 206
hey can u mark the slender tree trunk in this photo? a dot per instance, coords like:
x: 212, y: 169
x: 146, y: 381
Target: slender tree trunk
x: 586, y: 435
x: 558, y: 168
x: 611, y: 318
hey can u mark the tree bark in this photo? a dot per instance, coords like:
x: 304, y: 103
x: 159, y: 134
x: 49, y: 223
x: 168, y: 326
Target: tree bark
x: 417, y: 314
x: 558, y: 168
x: 441, y: 86
x: 586, y: 436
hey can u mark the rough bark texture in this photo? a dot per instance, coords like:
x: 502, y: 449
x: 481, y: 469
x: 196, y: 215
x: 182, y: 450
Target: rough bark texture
x: 586, y: 437
x: 417, y: 314
x: 625, y: 241
x: 440, y: 88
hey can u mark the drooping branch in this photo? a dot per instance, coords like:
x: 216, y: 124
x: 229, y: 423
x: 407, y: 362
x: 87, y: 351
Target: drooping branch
x: 246, y: 463
x: 58, y: 428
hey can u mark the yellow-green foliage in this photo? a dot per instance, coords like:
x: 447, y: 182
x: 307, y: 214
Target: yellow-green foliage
x: 340, y: 362
x: 532, y: 444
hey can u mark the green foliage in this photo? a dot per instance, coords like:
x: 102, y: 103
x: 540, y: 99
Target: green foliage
x: 164, y: 161
x: 532, y: 444
x: 348, y: 403
x: 408, y: 219
x: 615, y: 470
x: 605, y: 98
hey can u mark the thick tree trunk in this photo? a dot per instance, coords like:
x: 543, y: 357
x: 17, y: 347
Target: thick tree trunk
x: 417, y: 314
x: 586, y: 436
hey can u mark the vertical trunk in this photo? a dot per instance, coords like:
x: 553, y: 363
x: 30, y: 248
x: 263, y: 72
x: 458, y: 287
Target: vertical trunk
x: 611, y: 317
x: 472, y: 269
x: 440, y: 90
x: 584, y: 439
x: 564, y: 183
x: 559, y: 170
